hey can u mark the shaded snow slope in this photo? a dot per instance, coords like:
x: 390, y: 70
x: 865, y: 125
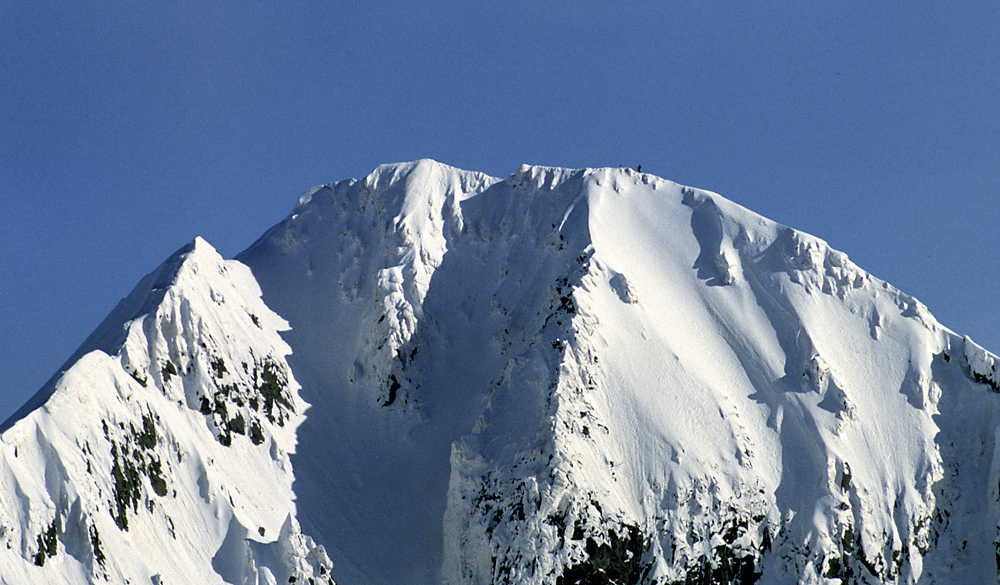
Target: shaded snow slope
x: 162, y: 453
x: 564, y: 376
x: 569, y: 372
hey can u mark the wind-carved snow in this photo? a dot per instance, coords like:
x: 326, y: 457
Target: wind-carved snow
x: 174, y: 427
x: 544, y: 379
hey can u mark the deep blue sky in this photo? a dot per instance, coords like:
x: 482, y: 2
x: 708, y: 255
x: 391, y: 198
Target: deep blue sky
x: 126, y: 129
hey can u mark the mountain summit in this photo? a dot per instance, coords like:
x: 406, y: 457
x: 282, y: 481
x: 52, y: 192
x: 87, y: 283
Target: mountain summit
x: 566, y: 376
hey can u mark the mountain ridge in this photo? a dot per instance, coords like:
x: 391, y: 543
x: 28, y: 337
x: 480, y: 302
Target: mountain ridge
x: 143, y: 437
x: 543, y: 378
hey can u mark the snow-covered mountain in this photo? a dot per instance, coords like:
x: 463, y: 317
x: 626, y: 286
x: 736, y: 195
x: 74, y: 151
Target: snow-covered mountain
x: 566, y: 376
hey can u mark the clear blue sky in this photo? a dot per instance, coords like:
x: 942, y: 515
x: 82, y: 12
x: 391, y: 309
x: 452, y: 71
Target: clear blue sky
x: 126, y: 129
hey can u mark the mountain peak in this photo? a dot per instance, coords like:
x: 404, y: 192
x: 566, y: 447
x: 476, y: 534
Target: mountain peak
x: 433, y: 375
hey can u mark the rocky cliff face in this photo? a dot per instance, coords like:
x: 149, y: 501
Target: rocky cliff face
x: 591, y: 376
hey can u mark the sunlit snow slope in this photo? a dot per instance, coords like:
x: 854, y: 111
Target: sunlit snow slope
x: 161, y: 454
x: 565, y: 376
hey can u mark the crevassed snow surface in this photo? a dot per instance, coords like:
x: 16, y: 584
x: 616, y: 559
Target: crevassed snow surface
x: 561, y: 374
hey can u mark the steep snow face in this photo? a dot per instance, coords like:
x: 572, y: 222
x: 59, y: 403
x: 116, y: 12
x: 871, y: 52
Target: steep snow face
x: 568, y: 372
x: 161, y: 454
x: 732, y: 401
x: 389, y: 347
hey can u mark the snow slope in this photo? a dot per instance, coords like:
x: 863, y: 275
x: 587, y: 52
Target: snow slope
x: 565, y: 376
x: 135, y: 467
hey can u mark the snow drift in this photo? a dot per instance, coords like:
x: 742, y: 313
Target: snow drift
x: 566, y: 376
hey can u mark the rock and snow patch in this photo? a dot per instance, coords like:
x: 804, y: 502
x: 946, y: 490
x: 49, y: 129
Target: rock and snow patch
x: 983, y: 366
x: 623, y: 288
